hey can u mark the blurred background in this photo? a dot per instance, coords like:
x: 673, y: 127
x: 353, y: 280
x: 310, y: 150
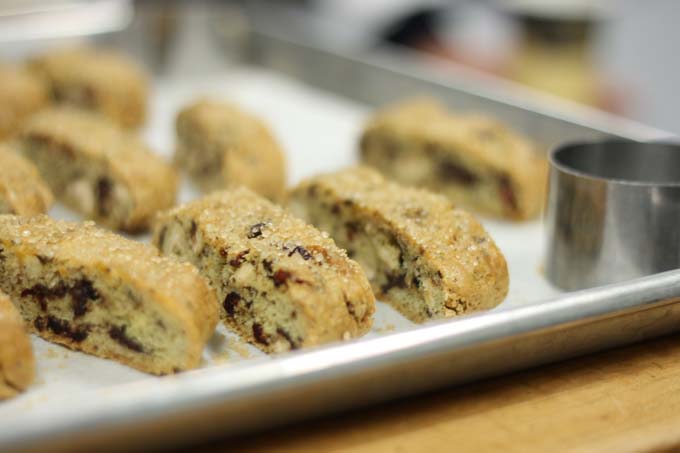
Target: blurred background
x: 614, y: 55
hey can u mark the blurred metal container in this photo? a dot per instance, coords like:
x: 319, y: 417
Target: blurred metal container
x: 613, y: 212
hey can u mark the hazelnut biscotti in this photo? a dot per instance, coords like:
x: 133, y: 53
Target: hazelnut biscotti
x: 97, y: 292
x: 96, y: 79
x: 221, y: 146
x: 282, y: 284
x: 21, y: 95
x: 98, y: 169
x: 22, y: 190
x: 476, y: 162
x: 17, y: 364
x: 422, y: 255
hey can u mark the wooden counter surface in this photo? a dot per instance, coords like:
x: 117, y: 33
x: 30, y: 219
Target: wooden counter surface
x: 627, y: 399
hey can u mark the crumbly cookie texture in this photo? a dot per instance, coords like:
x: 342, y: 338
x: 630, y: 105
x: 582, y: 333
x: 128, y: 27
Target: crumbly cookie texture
x: 98, y: 169
x: 221, y: 146
x: 17, y: 364
x: 21, y: 95
x: 423, y: 256
x: 97, y: 292
x: 96, y: 79
x: 282, y: 284
x: 478, y: 163
x: 22, y: 190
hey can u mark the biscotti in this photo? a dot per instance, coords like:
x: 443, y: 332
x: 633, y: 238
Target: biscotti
x: 476, y: 162
x: 221, y: 146
x: 96, y: 79
x: 17, y: 364
x: 422, y: 255
x: 282, y: 284
x: 99, y: 170
x: 97, y: 292
x: 22, y: 190
x: 21, y: 95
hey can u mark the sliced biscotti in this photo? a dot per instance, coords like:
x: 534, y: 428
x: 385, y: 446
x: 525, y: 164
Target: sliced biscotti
x: 17, y: 364
x: 221, y: 146
x: 478, y: 163
x: 21, y: 95
x: 97, y: 292
x: 423, y: 256
x: 22, y: 190
x: 282, y: 284
x: 98, y: 169
x: 96, y: 79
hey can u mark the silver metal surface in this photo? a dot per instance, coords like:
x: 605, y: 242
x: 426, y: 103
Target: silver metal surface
x: 613, y: 212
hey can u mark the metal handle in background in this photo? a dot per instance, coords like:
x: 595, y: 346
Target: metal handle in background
x: 254, y: 395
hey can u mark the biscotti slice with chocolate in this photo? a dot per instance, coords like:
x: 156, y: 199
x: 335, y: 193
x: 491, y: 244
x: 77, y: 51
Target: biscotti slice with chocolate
x: 96, y: 79
x: 282, y: 284
x: 478, y: 163
x: 99, y: 170
x: 17, y: 364
x: 21, y: 95
x: 22, y: 190
x: 94, y: 291
x: 422, y: 255
x: 221, y: 146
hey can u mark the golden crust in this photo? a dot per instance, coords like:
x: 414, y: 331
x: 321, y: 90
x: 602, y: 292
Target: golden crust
x: 96, y: 79
x: 221, y: 146
x: 151, y: 182
x: 17, y: 364
x: 450, y: 242
x: 21, y: 94
x: 174, y: 288
x: 22, y: 190
x: 482, y: 148
x: 328, y: 292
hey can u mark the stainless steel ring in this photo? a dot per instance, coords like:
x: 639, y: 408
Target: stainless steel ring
x: 613, y: 212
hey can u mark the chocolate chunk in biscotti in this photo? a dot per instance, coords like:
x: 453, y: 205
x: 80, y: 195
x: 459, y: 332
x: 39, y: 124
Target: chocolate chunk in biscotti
x: 282, y: 283
x: 422, y: 255
x: 96, y: 79
x: 476, y: 162
x: 22, y: 190
x: 17, y: 364
x: 101, y: 171
x: 221, y: 146
x: 21, y: 95
x: 97, y: 292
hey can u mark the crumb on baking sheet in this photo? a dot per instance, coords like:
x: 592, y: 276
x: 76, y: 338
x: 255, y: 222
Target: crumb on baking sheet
x: 389, y: 327
x: 239, y: 347
x: 541, y: 269
x: 221, y: 357
x: 226, y: 349
x: 52, y: 353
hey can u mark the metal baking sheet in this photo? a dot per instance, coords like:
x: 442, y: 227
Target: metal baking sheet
x: 83, y: 401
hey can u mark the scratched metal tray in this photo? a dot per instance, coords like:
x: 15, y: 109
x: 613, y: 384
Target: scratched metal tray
x: 316, y: 100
